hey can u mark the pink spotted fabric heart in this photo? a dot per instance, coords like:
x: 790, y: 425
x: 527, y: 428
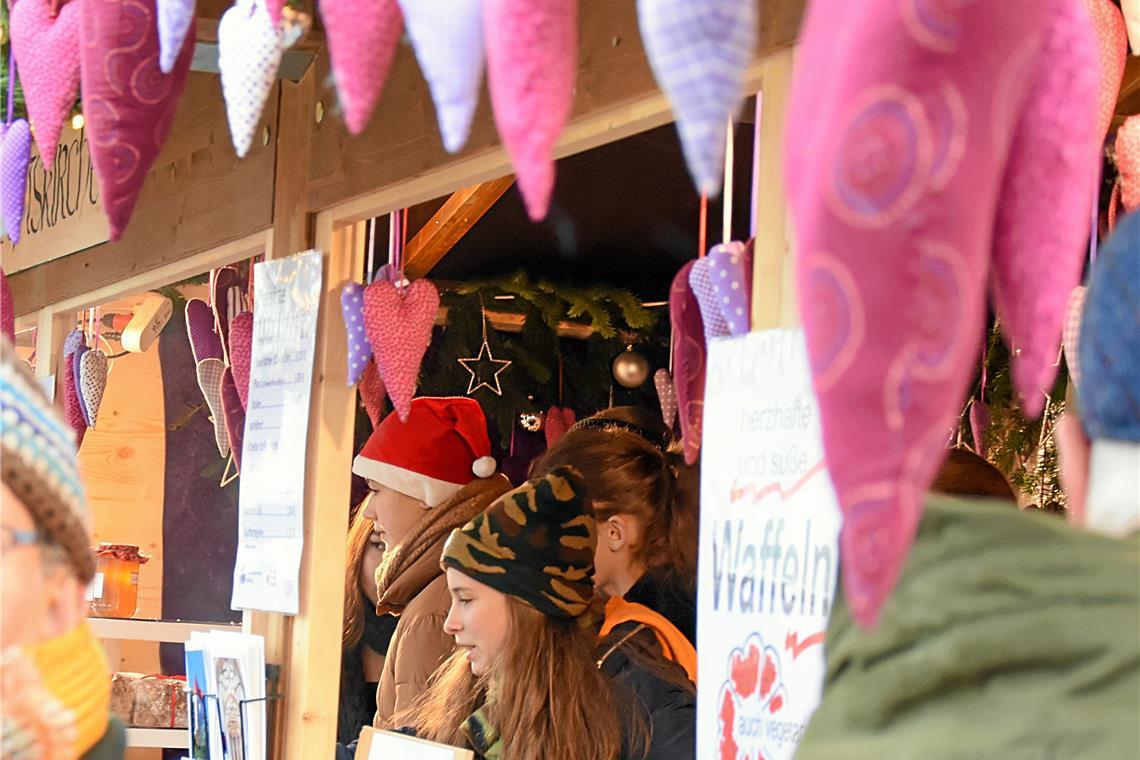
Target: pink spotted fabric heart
x: 241, y: 353
x: 730, y: 274
x: 204, y: 342
x: 1112, y: 54
x: 1071, y: 332
x: 558, y: 420
x: 399, y: 327
x: 532, y: 62
x: 93, y: 370
x: 210, y: 372
x: 249, y: 53
x: 174, y: 19
x: 700, y: 284
x: 72, y: 407
x: 76, y: 379
x: 1128, y: 162
x: 47, y: 46
x: 667, y: 395
x: 226, y: 303
x: 7, y: 309
x: 372, y: 393
x: 234, y: 414
x: 979, y: 424
x: 363, y: 36
x: 689, y: 352
x: 15, y: 152
x: 359, y: 349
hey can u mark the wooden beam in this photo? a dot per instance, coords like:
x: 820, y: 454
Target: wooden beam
x: 447, y: 226
x: 292, y: 228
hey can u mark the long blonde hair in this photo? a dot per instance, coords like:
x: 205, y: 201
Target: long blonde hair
x: 354, y: 599
x: 550, y: 699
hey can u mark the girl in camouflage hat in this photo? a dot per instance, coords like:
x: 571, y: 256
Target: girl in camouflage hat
x: 529, y: 679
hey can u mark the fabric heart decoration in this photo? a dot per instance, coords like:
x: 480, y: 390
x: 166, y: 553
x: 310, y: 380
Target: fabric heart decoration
x: 174, y: 19
x: 979, y: 423
x: 234, y: 415
x: 204, y: 342
x: 1128, y: 161
x: 274, y: 8
x: 359, y: 349
x: 532, y: 61
x: 372, y: 393
x: 226, y: 303
x: 210, y: 372
x: 241, y: 353
x: 7, y: 309
x: 73, y: 342
x: 72, y: 407
x: 1131, y: 10
x: 1112, y: 54
x: 128, y: 102
x: 689, y: 352
x: 249, y: 53
x: 700, y: 283
x: 1071, y: 332
x: 730, y: 273
x: 15, y: 152
x: 45, y: 40
x: 76, y: 377
x: 928, y: 146
x: 667, y: 395
x: 559, y: 419
x: 448, y: 38
x: 399, y: 326
x: 699, y: 51
x: 93, y: 370
x: 363, y: 36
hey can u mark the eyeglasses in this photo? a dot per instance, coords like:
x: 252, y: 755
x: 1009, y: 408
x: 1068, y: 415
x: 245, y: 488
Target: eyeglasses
x: 14, y: 537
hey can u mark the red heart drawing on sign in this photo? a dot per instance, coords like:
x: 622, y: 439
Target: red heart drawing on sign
x: 744, y: 671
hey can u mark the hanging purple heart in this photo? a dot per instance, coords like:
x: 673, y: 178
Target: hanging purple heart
x: 359, y: 349
x: 700, y: 283
x: 730, y: 271
x: 15, y: 152
x: 72, y: 343
x: 7, y: 309
x: 76, y: 362
x: 204, y: 342
x: 979, y: 422
x: 667, y: 395
x: 174, y: 19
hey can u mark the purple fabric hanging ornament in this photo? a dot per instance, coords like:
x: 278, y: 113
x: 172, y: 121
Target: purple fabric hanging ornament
x: 359, y: 349
x: 15, y: 152
x: 76, y: 363
x: 700, y: 284
x: 689, y: 352
x: 730, y: 273
x: 174, y: 20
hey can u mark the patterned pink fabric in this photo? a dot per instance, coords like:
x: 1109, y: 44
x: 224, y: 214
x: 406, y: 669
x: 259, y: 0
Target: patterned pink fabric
x: 47, y: 48
x: 72, y: 407
x: 399, y: 325
x: 1071, y: 332
x: 667, y: 396
x: 241, y: 353
x: 128, y: 102
x: 558, y: 421
x: 15, y: 152
x: 689, y: 353
x: 225, y: 302
x: 1112, y: 53
x: 372, y: 393
x: 928, y: 139
x: 204, y: 342
x: 234, y: 414
x: 7, y: 309
x: 1128, y: 162
x: 532, y: 61
x: 363, y: 36
x: 700, y: 282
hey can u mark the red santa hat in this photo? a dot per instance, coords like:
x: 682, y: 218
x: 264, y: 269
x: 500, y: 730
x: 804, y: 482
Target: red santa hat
x: 441, y: 447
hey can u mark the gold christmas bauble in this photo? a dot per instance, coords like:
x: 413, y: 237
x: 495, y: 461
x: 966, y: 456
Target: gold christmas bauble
x: 631, y: 369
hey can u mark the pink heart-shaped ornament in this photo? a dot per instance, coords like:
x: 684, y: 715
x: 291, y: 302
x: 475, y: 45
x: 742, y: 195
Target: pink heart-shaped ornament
x: 372, y: 393
x: 93, y: 370
x: 448, y: 38
x: 241, y: 353
x: 15, y: 152
x: 72, y: 407
x: 274, y: 7
x: 979, y: 423
x: 174, y: 19
x: 730, y: 273
x: 47, y: 48
x: 250, y: 47
x: 363, y: 36
x: 532, y: 62
x: 1112, y: 54
x: 234, y: 414
x: 700, y: 284
x: 210, y: 374
x: 558, y: 421
x: 128, y: 103
x: 399, y: 328
x: 76, y: 375
x: 1071, y: 332
x: 7, y: 309
x: 1128, y: 161
x: 204, y: 342
x: 226, y: 303
x: 667, y: 395
x: 689, y: 351
x: 359, y: 349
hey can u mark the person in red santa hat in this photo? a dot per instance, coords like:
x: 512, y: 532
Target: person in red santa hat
x: 429, y: 475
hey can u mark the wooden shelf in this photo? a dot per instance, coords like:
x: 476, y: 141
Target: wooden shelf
x: 131, y: 629
x: 167, y: 738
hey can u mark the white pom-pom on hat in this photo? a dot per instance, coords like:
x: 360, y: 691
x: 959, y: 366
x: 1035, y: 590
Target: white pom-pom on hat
x: 483, y: 467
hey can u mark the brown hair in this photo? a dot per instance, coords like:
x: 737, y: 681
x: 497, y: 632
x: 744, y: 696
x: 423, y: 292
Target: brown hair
x: 354, y: 599
x: 634, y: 466
x: 551, y: 700
x: 964, y: 473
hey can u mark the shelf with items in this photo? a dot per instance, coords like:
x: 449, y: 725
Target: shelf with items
x: 164, y: 738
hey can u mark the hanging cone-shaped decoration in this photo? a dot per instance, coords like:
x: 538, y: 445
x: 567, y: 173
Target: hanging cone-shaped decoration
x: 699, y: 50
x: 1071, y: 332
x: 45, y: 41
x: 372, y: 393
x: 399, y: 325
x: 249, y: 53
x: 1112, y: 53
x: 358, y: 348
x: 210, y: 374
x: 558, y: 421
x: 979, y: 423
x: 1128, y: 162
x: 15, y: 152
x: 93, y: 368
x: 363, y: 36
x: 274, y: 7
x: 7, y: 309
x: 448, y: 38
x: 76, y: 377
x: 667, y: 395
x: 689, y: 353
x: 174, y: 20
x: 204, y: 342
x: 129, y: 107
x: 72, y: 406
x: 241, y: 354
x: 532, y: 61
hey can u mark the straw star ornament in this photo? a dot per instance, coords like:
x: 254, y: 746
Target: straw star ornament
x: 484, y: 368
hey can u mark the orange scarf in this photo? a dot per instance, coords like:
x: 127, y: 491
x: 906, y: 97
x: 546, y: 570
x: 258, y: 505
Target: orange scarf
x: 673, y: 643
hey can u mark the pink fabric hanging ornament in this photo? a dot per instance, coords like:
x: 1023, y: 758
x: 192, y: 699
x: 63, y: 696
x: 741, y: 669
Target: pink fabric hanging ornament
x: 210, y: 373
x: 372, y: 393
x: 1071, y: 332
x: 363, y: 36
x: 667, y: 396
x: 689, y: 352
x: 916, y: 133
x: 47, y: 47
x: 532, y: 61
x: 1112, y: 53
x: 1128, y: 162
x: 358, y: 348
x: 93, y: 369
x: 399, y: 324
x: 274, y: 7
x: 204, y: 342
x: 226, y: 304
x: 76, y: 378
x: 448, y: 39
x: 72, y: 407
x: 558, y: 420
x: 699, y: 51
x: 1131, y: 10
x: 15, y: 152
x: 700, y: 282
x: 730, y: 273
x: 174, y: 20
x: 7, y: 309
x: 979, y: 424
x: 249, y: 53
x: 128, y: 102
x: 241, y: 353
x: 234, y: 414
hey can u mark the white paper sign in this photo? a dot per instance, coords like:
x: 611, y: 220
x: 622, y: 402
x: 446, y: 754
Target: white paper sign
x: 271, y: 500
x: 768, y: 549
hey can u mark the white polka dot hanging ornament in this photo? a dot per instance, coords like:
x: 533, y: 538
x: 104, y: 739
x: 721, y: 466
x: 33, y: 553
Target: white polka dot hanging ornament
x: 249, y: 53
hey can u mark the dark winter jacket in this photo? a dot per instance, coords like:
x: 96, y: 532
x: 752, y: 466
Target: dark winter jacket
x: 669, y: 599
x: 112, y: 746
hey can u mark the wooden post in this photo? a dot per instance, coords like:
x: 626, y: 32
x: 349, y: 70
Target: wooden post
x: 773, y: 284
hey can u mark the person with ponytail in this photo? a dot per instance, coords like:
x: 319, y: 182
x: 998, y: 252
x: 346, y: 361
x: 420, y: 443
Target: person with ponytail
x: 645, y: 501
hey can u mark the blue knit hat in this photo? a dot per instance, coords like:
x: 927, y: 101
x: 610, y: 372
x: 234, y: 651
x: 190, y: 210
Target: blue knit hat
x: 39, y: 462
x: 1109, y: 391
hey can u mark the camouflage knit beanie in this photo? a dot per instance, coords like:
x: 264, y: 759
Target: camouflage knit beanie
x: 536, y: 544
